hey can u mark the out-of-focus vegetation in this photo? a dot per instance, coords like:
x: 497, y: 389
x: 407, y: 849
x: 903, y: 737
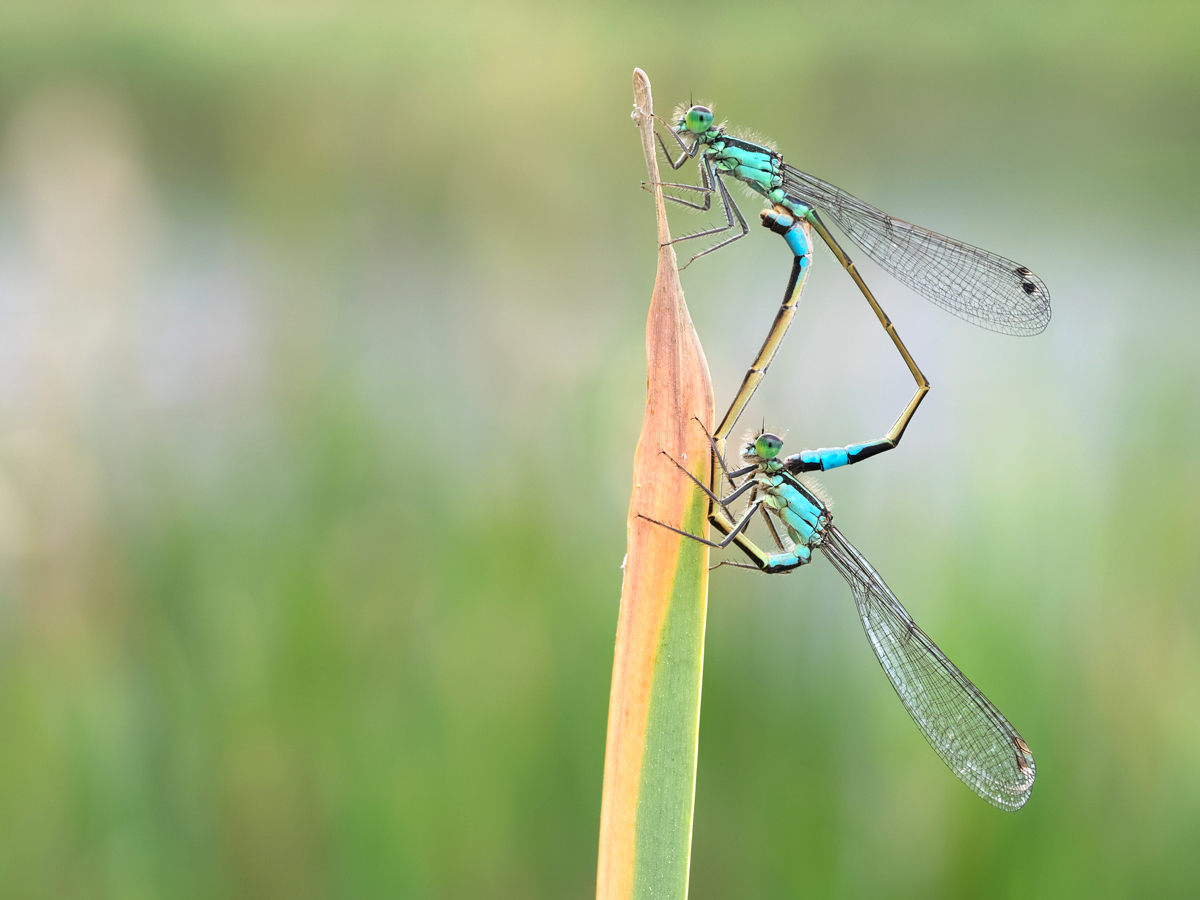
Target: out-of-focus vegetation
x: 321, y: 364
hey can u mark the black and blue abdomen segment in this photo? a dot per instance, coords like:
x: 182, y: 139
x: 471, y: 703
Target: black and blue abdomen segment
x: 835, y: 457
x: 793, y: 235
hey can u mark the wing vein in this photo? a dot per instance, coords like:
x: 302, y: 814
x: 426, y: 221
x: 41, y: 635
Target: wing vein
x: 964, y: 728
x: 973, y: 284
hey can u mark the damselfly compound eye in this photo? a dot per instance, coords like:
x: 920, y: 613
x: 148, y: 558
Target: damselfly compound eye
x: 698, y: 119
x: 768, y: 445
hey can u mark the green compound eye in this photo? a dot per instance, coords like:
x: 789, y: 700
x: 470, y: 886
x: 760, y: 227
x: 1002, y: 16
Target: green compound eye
x: 768, y: 445
x: 698, y: 119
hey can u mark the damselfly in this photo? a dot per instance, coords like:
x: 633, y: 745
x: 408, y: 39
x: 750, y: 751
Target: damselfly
x: 966, y: 730
x: 974, y: 284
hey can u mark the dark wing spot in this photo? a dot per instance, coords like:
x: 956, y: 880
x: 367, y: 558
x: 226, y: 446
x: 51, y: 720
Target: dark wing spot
x: 1029, y: 287
x: 1022, y: 271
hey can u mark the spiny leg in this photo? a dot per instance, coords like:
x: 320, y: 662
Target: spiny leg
x: 706, y: 188
x: 736, y: 565
x: 688, y: 152
x: 766, y: 518
x: 710, y: 179
x: 720, y: 518
x: 703, y: 207
x: 727, y: 202
x: 724, y: 501
x: 735, y: 532
x: 718, y: 545
x: 720, y: 457
x: 771, y: 527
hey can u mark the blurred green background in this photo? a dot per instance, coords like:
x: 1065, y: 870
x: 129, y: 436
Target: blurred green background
x: 321, y: 368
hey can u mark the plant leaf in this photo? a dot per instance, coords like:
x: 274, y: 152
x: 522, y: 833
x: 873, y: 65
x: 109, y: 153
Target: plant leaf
x: 654, y: 707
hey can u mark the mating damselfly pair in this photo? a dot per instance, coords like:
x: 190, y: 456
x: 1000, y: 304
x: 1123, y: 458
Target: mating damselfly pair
x: 965, y: 729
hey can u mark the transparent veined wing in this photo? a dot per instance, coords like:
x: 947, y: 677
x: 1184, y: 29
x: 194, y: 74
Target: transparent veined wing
x: 970, y: 735
x: 973, y: 284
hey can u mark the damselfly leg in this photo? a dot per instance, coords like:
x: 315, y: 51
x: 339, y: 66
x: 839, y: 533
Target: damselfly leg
x: 722, y: 518
x: 733, y: 216
x: 706, y: 188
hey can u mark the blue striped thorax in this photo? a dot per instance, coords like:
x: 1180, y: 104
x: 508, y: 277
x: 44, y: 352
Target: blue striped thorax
x: 759, y: 167
x: 802, y: 513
